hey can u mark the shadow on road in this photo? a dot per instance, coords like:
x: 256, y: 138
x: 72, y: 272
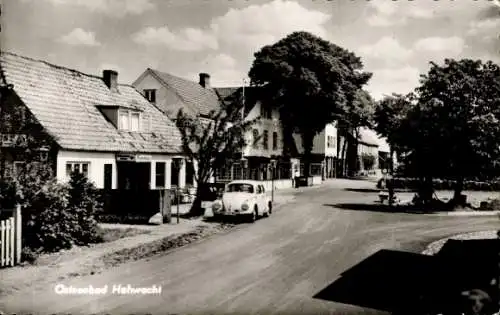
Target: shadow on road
x: 375, y: 190
x: 388, y: 280
x: 408, y: 283
x: 376, y: 207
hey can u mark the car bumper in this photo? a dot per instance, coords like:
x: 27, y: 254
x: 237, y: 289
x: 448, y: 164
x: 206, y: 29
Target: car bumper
x: 233, y: 213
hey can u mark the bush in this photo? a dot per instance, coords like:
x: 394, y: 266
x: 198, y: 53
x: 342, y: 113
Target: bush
x: 444, y: 184
x: 55, y: 216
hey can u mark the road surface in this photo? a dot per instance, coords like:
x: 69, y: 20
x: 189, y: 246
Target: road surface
x: 274, y: 266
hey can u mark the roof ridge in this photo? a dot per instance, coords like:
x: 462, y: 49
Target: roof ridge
x: 55, y: 66
x: 186, y: 102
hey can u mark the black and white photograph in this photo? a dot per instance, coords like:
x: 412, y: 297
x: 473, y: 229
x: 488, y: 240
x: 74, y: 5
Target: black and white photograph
x: 188, y: 157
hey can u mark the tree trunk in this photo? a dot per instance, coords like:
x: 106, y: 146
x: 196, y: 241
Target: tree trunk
x: 307, y: 139
x: 457, y: 194
x: 344, y: 157
x: 202, y: 180
x: 390, y: 162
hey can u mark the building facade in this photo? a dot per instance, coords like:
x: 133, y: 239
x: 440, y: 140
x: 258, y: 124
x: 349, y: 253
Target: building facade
x: 89, y: 124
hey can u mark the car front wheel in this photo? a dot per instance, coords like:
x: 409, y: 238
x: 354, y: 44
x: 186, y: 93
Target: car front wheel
x: 253, y: 217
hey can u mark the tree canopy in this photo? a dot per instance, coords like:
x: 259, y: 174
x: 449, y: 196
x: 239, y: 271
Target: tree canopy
x: 452, y: 129
x: 310, y: 80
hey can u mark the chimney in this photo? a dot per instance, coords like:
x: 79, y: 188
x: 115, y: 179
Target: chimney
x: 110, y: 78
x: 205, y: 80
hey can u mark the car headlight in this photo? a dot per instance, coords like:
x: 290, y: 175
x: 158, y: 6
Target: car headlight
x: 244, y: 206
x: 217, y: 205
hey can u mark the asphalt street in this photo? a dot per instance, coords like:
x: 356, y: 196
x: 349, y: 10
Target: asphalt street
x: 273, y: 266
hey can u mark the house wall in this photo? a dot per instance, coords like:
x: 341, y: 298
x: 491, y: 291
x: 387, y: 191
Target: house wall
x: 97, y: 160
x: 271, y: 125
x: 166, y: 99
x: 320, y: 141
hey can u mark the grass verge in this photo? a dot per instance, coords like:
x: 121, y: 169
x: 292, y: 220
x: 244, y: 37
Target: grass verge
x: 150, y: 249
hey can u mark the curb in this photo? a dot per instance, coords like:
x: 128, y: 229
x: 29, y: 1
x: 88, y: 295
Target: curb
x: 434, y: 247
x: 467, y: 213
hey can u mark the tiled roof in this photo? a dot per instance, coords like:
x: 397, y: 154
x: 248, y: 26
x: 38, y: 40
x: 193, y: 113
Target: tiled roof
x: 250, y: 94
x: 199, y: 99
x: 368, y: 137
x: 65, y: 102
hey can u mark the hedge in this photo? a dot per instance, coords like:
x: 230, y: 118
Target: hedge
x: 440, y: 184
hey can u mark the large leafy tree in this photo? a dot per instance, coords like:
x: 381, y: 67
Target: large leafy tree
x: 212, y: 141
x: 452, y: 130
x: 389, y: 117
x: 310, y: 81
x: 358, y: 112
x: 461, y: 104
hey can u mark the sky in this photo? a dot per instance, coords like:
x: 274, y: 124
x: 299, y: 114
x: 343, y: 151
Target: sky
x: 395, y: 39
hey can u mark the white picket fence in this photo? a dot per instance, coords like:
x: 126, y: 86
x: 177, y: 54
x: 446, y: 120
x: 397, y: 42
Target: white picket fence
x: 10, y: 238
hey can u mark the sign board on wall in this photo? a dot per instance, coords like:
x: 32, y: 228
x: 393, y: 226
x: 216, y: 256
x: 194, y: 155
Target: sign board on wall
x: 133, y: 158
x: 143, y: 158
x: 125, y: 157
x: 9, y: 140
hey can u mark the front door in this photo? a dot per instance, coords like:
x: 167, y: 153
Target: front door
x: 134, y: 176
x: 108, y: 176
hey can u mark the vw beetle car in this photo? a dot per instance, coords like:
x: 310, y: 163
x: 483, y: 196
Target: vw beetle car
x: 243, y: 198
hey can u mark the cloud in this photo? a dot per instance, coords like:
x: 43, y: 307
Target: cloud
x: 485, y: 30
x: 257, y: 25
x: 79, y: 37
x: 388, y: 13
x: 187, y: 39
x: 223, y: 70
x: 387, y: 49
x: 387, y: 81
x: 116, y: 8
x: 449, y: 45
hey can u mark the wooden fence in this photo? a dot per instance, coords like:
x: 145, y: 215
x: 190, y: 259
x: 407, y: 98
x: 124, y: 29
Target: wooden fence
x: 10, y: 238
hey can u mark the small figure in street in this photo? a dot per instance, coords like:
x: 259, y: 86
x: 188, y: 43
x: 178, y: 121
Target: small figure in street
x: 390, y: 189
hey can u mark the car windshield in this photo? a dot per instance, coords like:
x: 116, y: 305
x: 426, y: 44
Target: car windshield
x: 239, y: 187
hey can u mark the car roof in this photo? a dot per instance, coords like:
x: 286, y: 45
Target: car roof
x: 252, y: 182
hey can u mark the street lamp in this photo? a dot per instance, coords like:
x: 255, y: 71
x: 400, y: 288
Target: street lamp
x: 44, y: 153
x: 244, y: 166
x: 179, y: 164
x: 273, y: 168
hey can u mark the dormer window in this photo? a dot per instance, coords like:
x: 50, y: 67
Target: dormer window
x: 129, y: 120
x: 150, y: 95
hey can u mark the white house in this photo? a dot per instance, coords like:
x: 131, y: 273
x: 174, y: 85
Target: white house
x: 171, y: 93
x: 324, y: 152
x: 105, y: 130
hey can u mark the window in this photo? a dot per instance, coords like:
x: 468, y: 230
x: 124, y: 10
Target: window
x: 266, y: 112
x: 79, y: 167
x: 160, y: 174
x: 331, y: 142
x: 255, y: 139
x: 265, y: 143
x: 189, y: 173
x: 129, y: 120
x: 150, y: 95
x: 248, y: 188
x: 124, y: 125
x: 134, y: 121
x: 275, y: 140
